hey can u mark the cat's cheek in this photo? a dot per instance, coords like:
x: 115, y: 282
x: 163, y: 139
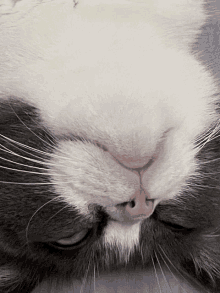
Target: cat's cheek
x: 173, y: 168
x: 84, y: 175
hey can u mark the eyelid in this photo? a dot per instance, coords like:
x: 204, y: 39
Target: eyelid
x: 176, y: 227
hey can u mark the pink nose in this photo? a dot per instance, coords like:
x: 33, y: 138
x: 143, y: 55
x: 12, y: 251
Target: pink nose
x: 139, y: 207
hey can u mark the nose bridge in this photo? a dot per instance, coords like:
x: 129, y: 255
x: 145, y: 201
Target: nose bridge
x: 135, y: 153
x: 136, y: 162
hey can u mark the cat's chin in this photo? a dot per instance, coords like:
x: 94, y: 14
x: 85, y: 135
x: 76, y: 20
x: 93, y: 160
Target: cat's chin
x: 123, y: 235
x: 150, y: 281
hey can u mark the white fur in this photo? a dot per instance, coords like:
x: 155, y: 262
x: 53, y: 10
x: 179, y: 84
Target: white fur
x: 124, y: 237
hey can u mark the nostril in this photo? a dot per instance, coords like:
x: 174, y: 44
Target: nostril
x: 139, y: 210
x: 139, y: 206
x: 131, y: 203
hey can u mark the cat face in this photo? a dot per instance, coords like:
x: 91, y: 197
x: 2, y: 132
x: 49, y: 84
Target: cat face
x: 109, y: 153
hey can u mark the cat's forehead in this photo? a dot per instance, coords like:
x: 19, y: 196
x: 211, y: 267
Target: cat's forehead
x: 52, y: 19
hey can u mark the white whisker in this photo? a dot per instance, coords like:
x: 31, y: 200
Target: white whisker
x: 33, y: 172
x: 15, y: 154
x: 26, y: 152
x: 142, y: 256
x: 163, y: 272
x: 94, y: 285
x: 40, y: 126
x: 24, y: 146
x: 27, y: 126
x: 24, y: 165
x: 40, y: 208
x: 173, y: 267
x: 32, y: 149
x: 213, y: 233
x: 31, y: 183
x: 23, y: 171
x: 158, y: 281
x: 210, y: 161
x: 56, y: 214
x: 211, y: 236
x: 211, y: 135
x: 85, y: 277
x: 203, y: 186
x: 46, y: 163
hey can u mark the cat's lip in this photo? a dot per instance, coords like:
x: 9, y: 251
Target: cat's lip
x: 128, y: 221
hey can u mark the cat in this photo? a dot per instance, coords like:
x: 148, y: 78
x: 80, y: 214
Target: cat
x: 109, y: 146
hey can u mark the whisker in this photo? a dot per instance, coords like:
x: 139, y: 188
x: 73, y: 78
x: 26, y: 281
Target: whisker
x: 163, y: 272
x: 33, y: 172
x: 20, y: 164
x: 23, y: 171
x: 15, y: 154
x: 211, y: 236
x: 94, y: 275
x: 25, y: 146
x: 31, y: 218
x: 85, y: 277
x: 32, y: 149
x: 173, y: 267
x: 32, y: 183
x: 38, y: 124
x: 210, y: 161
x: 213, y: 233
x: 209, y: 136
x: 141, y: 251
x: 46, y: 163
x: 56, y: 214
x: 97, y: 264
x: 158, y: 281
x: 203, y: 186
x: 27, y: 126
x: 23, y: 151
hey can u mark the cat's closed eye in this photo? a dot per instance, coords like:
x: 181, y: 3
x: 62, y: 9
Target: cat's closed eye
x: 176, y: 227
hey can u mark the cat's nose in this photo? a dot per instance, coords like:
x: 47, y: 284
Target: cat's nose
x: 139, y: 206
